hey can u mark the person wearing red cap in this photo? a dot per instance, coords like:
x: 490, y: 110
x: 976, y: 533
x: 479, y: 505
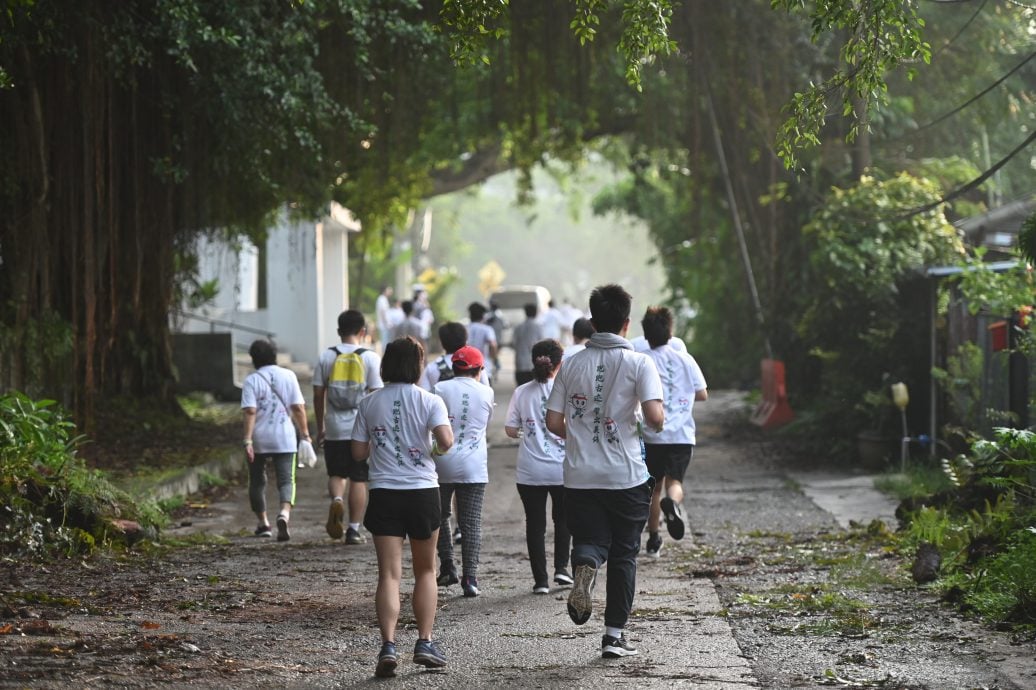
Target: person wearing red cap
x: 463, y: 470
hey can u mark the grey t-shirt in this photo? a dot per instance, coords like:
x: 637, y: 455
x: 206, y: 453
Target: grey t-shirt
x: 526, y: 334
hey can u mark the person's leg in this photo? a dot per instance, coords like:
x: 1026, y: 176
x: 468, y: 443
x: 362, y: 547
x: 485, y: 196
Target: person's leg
x: 257, y: 488
x: 334, y: 458
x: 285, y: 466
x: 627, y: 513
x: 447, y: 569
x: 390, y: 571
x: 426, y: 592
x: 562, y: 538
x: 678, y: 457
x: 357, y: 473
x: 590, y: 527
x: 534, y: 501
x: 470, y: 498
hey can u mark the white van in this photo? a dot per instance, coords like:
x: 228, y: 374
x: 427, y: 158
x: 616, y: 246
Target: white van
x: 511, y: 301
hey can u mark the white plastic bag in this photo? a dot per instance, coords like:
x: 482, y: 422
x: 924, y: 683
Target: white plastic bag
x: 307, y: 457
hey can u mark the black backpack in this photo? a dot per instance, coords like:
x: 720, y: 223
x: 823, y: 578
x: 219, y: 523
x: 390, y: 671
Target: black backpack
x: 445, y: 369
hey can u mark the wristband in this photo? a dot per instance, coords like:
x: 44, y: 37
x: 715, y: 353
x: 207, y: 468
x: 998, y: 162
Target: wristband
x: 248, y: 441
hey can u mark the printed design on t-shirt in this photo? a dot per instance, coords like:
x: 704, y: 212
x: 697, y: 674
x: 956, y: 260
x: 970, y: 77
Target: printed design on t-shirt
x: 684, y: 403
x: 380, y: 436
x: 415, y: 456
x: 397, y: 429
x: 611, y: 430
x: 460, y: 426
x: 670, y: 387
x: 530, y: 426
x: 598, y: 402
x: 578, y: 402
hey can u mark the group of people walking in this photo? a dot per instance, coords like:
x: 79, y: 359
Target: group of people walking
x: 605, y: 432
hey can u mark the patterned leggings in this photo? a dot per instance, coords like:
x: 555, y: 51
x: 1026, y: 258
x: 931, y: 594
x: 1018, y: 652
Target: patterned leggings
x: 469, y: 519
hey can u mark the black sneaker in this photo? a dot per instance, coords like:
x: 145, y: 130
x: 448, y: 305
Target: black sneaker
x: 469, y: 583
x: 457, y: 536
x: 673, y: 512
x: 353, y: 536
x: 282, y: 528
x: 447, y: 578
x: 580, y: 599
x: 388, y: 659
x: 654, y: 545
x: 616, y: 647
x: 561, y: 577
x: 428, y: 654
x: 541, y: 589
x: 264, y: 531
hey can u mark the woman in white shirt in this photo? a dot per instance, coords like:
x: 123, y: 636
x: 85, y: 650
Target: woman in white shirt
x: 395, y: 427
x: 463, y: 471
x: 541, y: 455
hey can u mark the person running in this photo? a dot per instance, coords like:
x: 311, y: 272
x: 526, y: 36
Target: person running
x: 582, y: 329
x: 382, y: 311
x: 594, y: 406
x: 400, y: 428
x: 669, y: 452
x: 525, y: 335
x: 464, y: 471
x: 541, y: 456
x: 343, y: 375
x: 482, y: 337
x: 273, y: 408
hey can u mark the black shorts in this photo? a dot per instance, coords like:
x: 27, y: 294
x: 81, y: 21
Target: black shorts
x: 403, y: 512
x: 668, y: 460
x: 338, y: 456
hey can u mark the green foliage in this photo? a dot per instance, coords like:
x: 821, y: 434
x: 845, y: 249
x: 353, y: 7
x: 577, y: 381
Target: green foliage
x: 961, y: 380
x: 52, y: 503
x: 1027, y: 239
x: 918, y: 480
x: 1001, y: 293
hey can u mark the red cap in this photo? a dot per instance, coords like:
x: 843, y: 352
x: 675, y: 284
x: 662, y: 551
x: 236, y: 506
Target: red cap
x: 467, y: 358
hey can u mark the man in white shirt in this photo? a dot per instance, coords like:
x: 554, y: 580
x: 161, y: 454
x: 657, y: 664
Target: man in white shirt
x: 669, y: 452
x: 550, y: 322
x: 582, y: 329
x: 595, y: 406
x: 482, y: 337
x: 640, y: 344
x: 382, y: 310
x: 343, y: 375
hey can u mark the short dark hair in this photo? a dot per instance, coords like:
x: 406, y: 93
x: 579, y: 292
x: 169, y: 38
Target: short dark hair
x: 407, y: 306
x: 476, y: 312
x: 582, y: 328
x: 453, y: 336
x: 658, y: 326
x: 351, y: 322
x: 403, y: 361
x: 610, y: 307
x: 263, y: 353
x: 531, y: 310
x: 546, y: 356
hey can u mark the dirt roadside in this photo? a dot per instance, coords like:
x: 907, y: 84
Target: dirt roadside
x: 768, y: 592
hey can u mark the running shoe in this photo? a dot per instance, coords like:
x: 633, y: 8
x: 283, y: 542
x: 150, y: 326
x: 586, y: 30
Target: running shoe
x: 457, y: 536
x: 561, y: 577
x: 388, y: 659
x: 353, y: 536
x: 447, y: 578
x: 264, y: 531
x: 541, y: 589
x: 580, y: 599
x: 282, y: 528
x: 654, y: 545
x: 616, y: 647
x: 428, y: 654
x: 335, y: 518
x: 673, y: 512
x: 469, y: 583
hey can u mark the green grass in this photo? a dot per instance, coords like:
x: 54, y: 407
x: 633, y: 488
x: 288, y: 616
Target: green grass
x: 917, y: 481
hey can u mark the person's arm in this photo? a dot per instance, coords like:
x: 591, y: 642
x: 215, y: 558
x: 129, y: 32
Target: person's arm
x: 654, y: 414
x: 298, y: 415
x: 443, y: 435
x: 701, y: 395
x: 511, y: 431
x: 249, y: 429
x: 361, y: 450
x: 319, y: 407
x: 556, y: 423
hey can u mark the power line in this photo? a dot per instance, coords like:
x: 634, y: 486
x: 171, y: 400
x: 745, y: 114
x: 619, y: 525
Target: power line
x: 962, y: 29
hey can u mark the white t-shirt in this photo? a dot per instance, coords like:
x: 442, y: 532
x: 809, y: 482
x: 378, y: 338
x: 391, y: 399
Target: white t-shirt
x: 397, y: 421
x: 382, y: 306
x: 550, y: 323
x: 431, y: 374
x: 640, y: 344
x: 571, y: 350
x: 600, y: 391
x: 274, y: 431
x: 470, y: 406
x: 681, y: 379
x: 338, y: 424
x: 541, y: 454
x: 480, y: 336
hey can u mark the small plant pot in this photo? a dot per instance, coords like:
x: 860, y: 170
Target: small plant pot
x: 875, y: 450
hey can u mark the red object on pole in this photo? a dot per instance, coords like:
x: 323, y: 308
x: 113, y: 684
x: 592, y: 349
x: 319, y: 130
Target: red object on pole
x: 998, y: 340
x: 773, y: 410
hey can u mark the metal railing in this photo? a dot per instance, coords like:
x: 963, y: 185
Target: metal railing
x: 226, y: 324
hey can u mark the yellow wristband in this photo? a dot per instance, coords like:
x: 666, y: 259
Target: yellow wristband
x: 248, y: 441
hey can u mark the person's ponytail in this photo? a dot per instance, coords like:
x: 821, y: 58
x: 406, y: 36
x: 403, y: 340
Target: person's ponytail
x: 546, y: 356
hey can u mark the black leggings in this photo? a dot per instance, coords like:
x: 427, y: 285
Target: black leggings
x: 534, y: 500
